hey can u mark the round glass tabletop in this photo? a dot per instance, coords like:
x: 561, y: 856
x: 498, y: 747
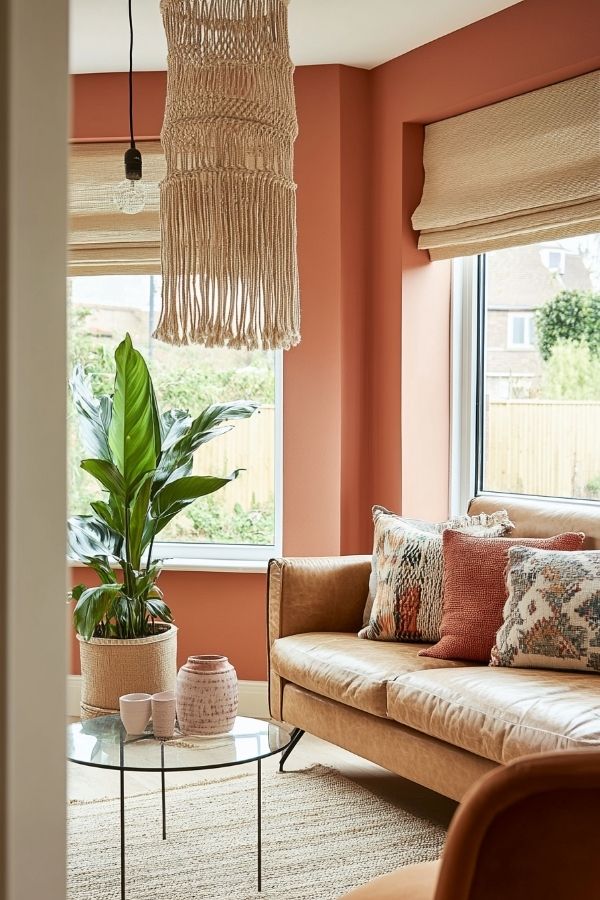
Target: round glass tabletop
x: 103, y: 742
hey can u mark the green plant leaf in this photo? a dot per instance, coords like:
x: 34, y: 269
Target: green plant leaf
x: 107, y: 474
x: 168, y: 506
x: 134, y: 433
x: 101, y: 566
x: 76, y: 592
x: 92, y: 607
x: 111, y: 513
x: 171, y: 462
x: 137, y: 520
x: 124, y: 614
x: 89, y: 537
x: 173, y: 425
x: 158, y: 609
x: 182, y: 472
x: 204, y: 427
x: 207, y: 426
x: 144, y: 583
x: 186, y: 490
x: 94, y: 415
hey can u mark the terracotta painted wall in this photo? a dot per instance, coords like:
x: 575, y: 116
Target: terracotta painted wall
x: 324, y: 388
x: 366, y: 394
x: 530, y: 45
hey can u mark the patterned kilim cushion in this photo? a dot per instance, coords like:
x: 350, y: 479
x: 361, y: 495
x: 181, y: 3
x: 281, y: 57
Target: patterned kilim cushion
x: 432, y: 527
x: 409, y: 571
x: 552, y: 614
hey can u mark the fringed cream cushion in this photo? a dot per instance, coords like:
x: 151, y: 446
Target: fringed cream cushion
x: 410, y: 570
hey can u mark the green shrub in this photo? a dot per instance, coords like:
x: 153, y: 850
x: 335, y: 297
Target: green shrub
x: 572, y: 316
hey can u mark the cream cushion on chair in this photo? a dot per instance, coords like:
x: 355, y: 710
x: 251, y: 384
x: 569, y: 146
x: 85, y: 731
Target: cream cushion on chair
x: 347, y: 669
x: 500, y: 714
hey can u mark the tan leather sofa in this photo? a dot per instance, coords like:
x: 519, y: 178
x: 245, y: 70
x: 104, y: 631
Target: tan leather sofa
x: 440, y: 723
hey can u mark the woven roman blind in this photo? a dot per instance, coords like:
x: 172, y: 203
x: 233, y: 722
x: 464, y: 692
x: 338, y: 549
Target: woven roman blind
x: 103, y: 240
x: 517, y: 172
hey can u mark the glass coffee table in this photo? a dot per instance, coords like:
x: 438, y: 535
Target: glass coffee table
x: 103, y: 743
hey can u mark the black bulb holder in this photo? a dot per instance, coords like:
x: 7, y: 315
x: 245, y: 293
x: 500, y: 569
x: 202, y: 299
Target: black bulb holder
x: 133, y: 164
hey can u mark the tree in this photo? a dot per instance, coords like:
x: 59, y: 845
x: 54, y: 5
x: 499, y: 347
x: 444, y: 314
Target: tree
x: 572, y: 317
x: 572, y: 372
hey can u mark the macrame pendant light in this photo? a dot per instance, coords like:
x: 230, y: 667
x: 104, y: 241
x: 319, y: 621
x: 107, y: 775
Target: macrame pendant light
x: 228, y: 201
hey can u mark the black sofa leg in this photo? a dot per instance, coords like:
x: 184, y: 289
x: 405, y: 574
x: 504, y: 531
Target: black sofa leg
x: 296, y: 735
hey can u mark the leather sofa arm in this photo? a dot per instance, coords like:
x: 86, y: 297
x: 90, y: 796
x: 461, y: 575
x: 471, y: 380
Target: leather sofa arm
x: 317, y: 594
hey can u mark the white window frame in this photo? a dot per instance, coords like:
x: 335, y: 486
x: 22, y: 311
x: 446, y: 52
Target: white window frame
x: 213, y: 557
x: 463, y: 382
x: 527, y: 331
x: 467, y: 360
x: 220, y: 557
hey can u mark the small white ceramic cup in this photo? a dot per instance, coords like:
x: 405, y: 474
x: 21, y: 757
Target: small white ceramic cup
x: 163, y: 714
x: 135, y: 712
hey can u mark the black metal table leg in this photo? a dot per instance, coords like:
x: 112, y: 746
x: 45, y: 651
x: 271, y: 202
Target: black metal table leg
x: 122, y: 805
x: 295, y: 737
x: 162, y: 782
x: 259, y: 826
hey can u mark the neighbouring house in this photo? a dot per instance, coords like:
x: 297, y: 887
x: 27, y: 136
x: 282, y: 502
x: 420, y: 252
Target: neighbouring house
x: 519, y: 281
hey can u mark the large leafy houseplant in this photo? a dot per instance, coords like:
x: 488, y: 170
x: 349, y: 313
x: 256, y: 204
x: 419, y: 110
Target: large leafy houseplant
x: 143, y: 460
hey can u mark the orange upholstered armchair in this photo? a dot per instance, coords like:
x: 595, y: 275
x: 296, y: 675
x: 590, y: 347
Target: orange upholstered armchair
x: 528, y: 831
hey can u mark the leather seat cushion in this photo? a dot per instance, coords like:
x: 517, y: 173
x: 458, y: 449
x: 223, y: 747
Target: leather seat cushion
x: 345, y: 668
x: 415, y: 882
x: 500, y: 714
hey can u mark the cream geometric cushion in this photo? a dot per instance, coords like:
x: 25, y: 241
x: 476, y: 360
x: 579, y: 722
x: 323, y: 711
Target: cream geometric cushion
x: 552, y: 614
x: 409, y: 573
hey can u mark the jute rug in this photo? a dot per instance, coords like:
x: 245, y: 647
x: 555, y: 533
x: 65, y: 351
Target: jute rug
x: 322, y: 835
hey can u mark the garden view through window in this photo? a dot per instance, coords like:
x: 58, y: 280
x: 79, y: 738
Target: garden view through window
x: 540, y: 424
x: 102, y: 310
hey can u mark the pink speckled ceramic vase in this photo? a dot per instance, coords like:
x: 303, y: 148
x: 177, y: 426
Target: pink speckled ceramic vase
x: 207, y: 695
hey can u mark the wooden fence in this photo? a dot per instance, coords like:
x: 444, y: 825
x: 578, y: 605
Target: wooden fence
x: 250, y: 446
x: 543, y: 446
x: 532, y: 446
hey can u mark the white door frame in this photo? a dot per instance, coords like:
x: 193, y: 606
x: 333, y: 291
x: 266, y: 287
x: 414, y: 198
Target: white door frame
x: 33, y: 148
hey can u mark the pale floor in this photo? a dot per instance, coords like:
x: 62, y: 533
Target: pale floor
x: 89, y: 784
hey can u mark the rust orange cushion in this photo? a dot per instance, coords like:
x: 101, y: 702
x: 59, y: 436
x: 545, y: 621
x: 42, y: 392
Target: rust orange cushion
x: 475, y: 590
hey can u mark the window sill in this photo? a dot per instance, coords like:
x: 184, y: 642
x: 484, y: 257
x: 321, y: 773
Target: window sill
x: 181, y: 564
x: 243, y: 566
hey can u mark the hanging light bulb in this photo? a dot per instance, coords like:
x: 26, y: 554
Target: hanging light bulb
x: 129, y: 196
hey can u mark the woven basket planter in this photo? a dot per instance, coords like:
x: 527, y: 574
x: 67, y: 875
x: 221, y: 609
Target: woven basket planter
x: 112, y: 667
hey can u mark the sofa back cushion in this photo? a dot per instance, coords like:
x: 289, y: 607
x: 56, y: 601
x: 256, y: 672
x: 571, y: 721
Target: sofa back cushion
x: 543, y: 516
x: 552, y: 614
x: 475, y: 590
x: 409, y: 572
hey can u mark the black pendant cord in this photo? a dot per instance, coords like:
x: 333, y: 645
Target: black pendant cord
x: 132, y: 139
x: 133, y: 157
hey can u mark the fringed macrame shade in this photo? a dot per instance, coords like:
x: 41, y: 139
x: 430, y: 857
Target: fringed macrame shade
x: 228, y: 202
